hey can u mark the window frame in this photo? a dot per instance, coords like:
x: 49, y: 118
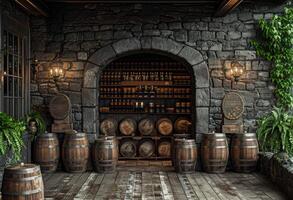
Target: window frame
x: 21, y: 30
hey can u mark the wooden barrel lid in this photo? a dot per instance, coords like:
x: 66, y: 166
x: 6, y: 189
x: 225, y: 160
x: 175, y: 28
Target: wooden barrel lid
x: 146, y: 126
x: 164, y: 149
x: 165, y: 126
x: 127, y: 126
x: 108, y: 126
x: 60, y: 106
x: 233, y: 106
x: 147, y: 148
x: 128, y: 148
x: 22, y: 168
x: 182, y: 125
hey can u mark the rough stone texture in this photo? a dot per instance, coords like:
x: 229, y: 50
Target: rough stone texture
x: 86, y: 40
x: 279, y: 171
x: 202, y: 120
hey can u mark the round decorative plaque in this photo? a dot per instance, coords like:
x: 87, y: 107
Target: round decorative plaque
x: 233, y: 106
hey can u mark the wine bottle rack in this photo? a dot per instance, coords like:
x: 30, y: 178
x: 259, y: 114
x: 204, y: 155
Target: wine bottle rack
x: 142, y: 88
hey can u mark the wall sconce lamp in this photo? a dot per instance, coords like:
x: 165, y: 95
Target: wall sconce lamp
x: 56, y: 72
x: 235, y: 71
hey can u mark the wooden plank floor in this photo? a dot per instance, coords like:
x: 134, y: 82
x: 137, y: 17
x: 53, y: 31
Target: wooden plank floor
x: 137, y: 183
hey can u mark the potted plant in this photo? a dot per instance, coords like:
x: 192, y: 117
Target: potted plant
x: 11, y: 132
x: 36, y: 124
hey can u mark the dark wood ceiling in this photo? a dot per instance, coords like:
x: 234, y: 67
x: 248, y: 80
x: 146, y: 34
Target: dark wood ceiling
x: 220, y: 7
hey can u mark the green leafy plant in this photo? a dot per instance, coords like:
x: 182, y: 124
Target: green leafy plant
x: 11, y: 131
x: 276, y: 45
x: 275, y: 132
x: 40, y: 122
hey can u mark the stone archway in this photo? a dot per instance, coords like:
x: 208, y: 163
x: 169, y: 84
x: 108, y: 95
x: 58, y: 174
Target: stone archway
x: 107, y: 54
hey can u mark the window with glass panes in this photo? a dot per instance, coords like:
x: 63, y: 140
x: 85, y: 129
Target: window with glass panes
x: 13, y: 74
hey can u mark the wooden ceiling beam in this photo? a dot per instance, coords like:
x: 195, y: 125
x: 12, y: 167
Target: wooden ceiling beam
x: 226, y: 6
x: 134, y: 1
x: 34, y: 7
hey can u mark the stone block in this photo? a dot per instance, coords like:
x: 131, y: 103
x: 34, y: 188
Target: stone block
x: 247, y: 54
x: 201, y: 75
x: 234, y: 35
x: 217, y: 83
x: 216, y: 47
x: 215, y: 63
x: 165, y: 44
x: 202, y: 97
x: 202, y: 120
x: 82, y: 55
x: 238, y: 86
x: 180, y: 35
x: 217, y: 93
x: 89, y: 120
x: 89, y: 97
x: 194, y: 36
x: 207, y: 35
x: 75, y: 86
x: 151, y: 32
x: 175, y: 26
x: 191, y: 55
x: 90, y: 77
x: 103, y: 55
x: 122, y: 34
x: 126, y: 45
x: 77, y: 66
x: 250, y: 86
x: 104, y: 35
x: 230, y: 18
x: 146, y: 42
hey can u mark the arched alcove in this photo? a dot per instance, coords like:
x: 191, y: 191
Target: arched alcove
x: 157, y: 45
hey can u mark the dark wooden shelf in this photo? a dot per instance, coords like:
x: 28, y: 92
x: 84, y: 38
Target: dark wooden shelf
x: 120, y: 137
x: 144, y: 158
x: 145, y: 113
x: 146, y: 98
x: 118, y: 85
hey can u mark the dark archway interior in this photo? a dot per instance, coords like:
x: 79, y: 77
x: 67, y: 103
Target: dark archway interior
x: 150, y: 86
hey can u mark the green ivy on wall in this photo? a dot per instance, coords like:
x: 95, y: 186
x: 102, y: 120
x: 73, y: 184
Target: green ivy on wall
x: 276, y: 45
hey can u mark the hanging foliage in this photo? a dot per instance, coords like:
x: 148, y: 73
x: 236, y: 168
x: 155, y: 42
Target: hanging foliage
x: 276, y: 45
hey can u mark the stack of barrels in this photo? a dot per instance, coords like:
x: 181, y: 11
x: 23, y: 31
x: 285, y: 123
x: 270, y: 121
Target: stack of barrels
x: 215, y: 152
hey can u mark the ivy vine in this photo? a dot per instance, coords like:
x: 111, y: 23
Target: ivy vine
x: 276, y: 45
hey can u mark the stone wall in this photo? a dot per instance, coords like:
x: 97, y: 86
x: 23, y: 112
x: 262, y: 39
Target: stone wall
x: 279, y: 171
x: 73, y: 34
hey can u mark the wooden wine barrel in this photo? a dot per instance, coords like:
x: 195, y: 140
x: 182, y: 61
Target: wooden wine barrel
x: 146, y: 126
x: 127, y: 126
x: 46, y: 152
x: 108, y: 126
x: 60, y: 106
x: 164, y: 149
x: 128, y: 148
x: 185, y: 155
x: 214, y: 152
x: 244, y: 152
x: 164, y: 126
x: 75, y: 152
x: 105, y: 154
x: 146, y: 148
x: 182, y: 125
x: 22, y: 181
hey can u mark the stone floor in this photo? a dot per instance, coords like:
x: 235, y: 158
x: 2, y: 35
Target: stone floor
x: 154, y: 183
